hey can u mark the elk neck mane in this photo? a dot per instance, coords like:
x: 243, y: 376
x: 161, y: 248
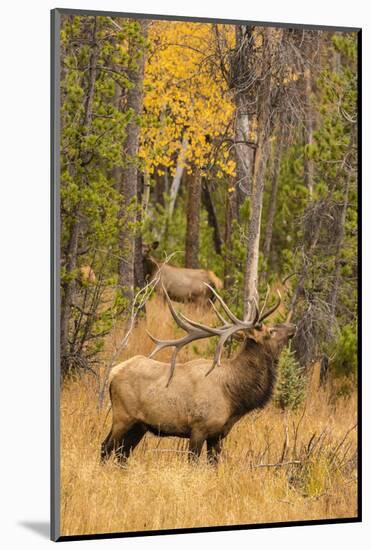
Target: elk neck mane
x: 151, y: 266
x: 250, y: 378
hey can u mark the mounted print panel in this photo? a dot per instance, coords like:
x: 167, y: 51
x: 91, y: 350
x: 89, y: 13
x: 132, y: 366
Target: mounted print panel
x: 205, y: 273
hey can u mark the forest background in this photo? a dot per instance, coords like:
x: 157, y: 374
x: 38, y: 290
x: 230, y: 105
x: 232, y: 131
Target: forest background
x: 234, y: 147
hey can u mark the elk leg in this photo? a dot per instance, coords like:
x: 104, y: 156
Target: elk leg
x: 214, y: 448
x: 105, y: 447
x: 113, y: 439
x: 195, y: 446
x: 130, y: 440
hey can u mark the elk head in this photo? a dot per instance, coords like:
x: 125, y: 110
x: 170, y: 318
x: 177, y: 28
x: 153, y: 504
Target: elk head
x: 273, y: 339
x: 150, y: 265
x: 147, y: 248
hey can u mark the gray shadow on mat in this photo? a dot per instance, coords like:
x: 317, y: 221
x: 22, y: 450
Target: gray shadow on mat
x: 42, y: 528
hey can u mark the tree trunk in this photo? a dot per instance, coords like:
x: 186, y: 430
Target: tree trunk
x: 146, y: 194
x: 243, y: 151
x: 244, y: 155
x: 272, y: 202
x: 311, y: 48
x: 178, y: 177
x: 339, y: 246
x: 193, y: 219
x: 116, y: 100
x: 261, y: 155
x: 212, y: 217
x: 235, y: 75
x: 308, y: 131
x: 69, y: 286
x: 174, y: 189
x: 253, y: 240
x: 138, y: 247
x: 160, y: 189
x: 230, y: 215
x: 129, y: 179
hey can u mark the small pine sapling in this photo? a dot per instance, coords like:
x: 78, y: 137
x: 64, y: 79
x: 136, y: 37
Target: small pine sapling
x: 290, y: 387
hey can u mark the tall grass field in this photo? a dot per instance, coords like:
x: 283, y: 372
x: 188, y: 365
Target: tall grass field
x: 276, y: 466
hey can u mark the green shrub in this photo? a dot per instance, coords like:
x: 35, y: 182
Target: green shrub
x: 290, y: 387
x: 345, y: 349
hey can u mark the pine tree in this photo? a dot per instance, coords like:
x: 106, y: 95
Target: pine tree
x: 290, y: 388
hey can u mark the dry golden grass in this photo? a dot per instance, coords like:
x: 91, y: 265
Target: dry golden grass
x: 158, y: 489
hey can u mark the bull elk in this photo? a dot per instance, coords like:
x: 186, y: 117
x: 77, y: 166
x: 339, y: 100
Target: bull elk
x: 202, y: 402
x: 181, y: 283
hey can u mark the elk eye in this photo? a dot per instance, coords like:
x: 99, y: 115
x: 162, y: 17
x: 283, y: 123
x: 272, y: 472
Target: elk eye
x: 272, y: 331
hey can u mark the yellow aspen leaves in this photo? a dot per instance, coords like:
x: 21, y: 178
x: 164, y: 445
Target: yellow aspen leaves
x: 184, y: 96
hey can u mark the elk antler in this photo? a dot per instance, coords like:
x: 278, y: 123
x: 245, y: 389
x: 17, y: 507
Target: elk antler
x: 198, y: 331
x: 263, y: 315
x: 218, y: 314
x: 265, y: 300
x: 229, y: 313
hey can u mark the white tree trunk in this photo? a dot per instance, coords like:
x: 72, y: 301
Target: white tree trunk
x: 253, y: 241
x: 178, y: 177
x: 261, y: 155
x: 243, y: 151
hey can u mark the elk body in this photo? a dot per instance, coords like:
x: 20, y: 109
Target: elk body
x: 86, y: 275
x: 202, y: 403
x: 181, y: 283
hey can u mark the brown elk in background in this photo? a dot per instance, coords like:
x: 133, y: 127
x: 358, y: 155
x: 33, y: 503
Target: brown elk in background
x: 181, y: 283
x: 86, y: 275
x: 202, y: 402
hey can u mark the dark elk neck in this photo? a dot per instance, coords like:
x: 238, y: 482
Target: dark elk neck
x: 150, y: 267
x: 251, y: 379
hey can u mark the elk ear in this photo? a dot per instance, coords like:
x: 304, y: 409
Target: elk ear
x: 155, y: 244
